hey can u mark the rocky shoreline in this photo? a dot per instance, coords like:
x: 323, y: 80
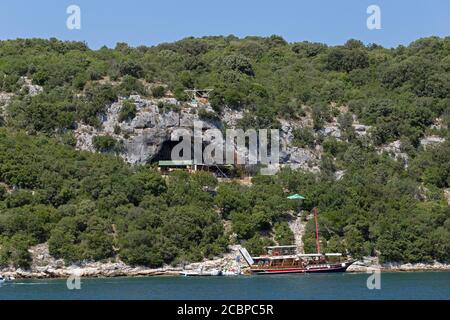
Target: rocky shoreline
x: 399, y: 267
x: 119, y: 269
x: 44, y: 267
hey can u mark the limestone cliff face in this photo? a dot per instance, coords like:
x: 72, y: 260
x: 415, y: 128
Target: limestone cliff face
x: 4, y: 101
x: 144, y: 136
x: 27, y: 87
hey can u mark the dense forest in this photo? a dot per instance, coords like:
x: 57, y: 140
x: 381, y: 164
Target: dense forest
x: 94, y: 206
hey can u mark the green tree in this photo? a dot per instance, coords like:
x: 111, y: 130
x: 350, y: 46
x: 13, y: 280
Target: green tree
x: 304, y: 137
x: 106, y: 144
x: 158, y: 91
x: 14, y: 251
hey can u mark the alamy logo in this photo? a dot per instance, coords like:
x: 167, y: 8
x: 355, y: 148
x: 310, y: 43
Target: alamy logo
x: 374, y: 280
x: 74, y: 19
x: 374, y: 20
x: 74, y: 282
x: 233, y: 149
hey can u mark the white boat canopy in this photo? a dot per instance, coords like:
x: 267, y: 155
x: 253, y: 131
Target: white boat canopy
x: 291, y: 256
x: 311, y: 255
x: 275, y: 257
x: 281, y: 247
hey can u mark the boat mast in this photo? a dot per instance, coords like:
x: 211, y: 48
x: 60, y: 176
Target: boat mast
x: 317, y: 231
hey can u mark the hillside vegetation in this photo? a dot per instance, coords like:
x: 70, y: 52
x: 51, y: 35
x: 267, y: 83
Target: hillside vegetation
x: 94, y: 206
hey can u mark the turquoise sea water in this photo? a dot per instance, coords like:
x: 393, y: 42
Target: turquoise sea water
x: 417, y: 285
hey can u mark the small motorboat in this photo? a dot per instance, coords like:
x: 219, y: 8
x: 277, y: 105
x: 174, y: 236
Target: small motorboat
x: 201, y: 273
x: 231, y: 273
x: 230, y: 270
x: 6, y: 279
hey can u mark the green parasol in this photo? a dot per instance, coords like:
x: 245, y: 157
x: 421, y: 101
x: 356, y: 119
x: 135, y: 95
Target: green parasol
x: 296, y: 197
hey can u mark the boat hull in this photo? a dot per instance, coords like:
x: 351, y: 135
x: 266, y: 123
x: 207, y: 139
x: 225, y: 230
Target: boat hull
x: 341, y: 267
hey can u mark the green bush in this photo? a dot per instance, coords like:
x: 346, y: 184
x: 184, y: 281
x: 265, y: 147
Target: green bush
x: 14, y: 251
x: 158, y: 92
x: 283, y: 234
x: 130, y: 85
x: 106, y: 144
x: 207, y: 115
x: 303, y: 137
x: 127, y: 112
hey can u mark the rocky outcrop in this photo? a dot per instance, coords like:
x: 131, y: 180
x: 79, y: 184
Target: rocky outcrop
x: 84, y: 134
x: 439, y: 124
x: 395, y: 150
x: 5, y: 98
x: 447, y: 195
x: 231, y: 116
x: 372, y: 264
x: 45, y: 266
x: 360, y: 129
x: 143, y: 137
x: 300, y: 158
x: 32, y: 89
x: 27, y: 86
x: 298, y: 227
x: 339, y: 174
x: 431, y: 140
x: 331, y: 131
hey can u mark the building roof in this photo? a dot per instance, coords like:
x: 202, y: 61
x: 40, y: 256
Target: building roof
x: 182, y: 163
x: 290, y: 256
x: 282, y: 247
x: 311, y: 255
x: 175, y: 163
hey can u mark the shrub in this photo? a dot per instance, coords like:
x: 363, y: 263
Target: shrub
x: 158, y: 92
x: 127, y: 112
x: 131, y: 85
x: 283, y: 234
x: 207, y: 115
x: 106, y: 144
x: 14, y: 251
x: 303, y: 137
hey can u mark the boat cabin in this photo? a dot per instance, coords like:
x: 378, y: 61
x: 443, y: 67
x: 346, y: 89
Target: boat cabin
x: 281, y: 250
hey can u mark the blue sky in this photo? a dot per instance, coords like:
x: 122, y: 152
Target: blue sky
x: 140, y: 22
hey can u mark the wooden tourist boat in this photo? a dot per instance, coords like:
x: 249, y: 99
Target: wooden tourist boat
x: 286, y: 259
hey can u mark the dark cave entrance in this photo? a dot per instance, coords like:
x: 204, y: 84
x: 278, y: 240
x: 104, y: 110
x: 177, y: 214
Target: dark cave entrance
x: 165, y: 155
x: 165, y: 152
